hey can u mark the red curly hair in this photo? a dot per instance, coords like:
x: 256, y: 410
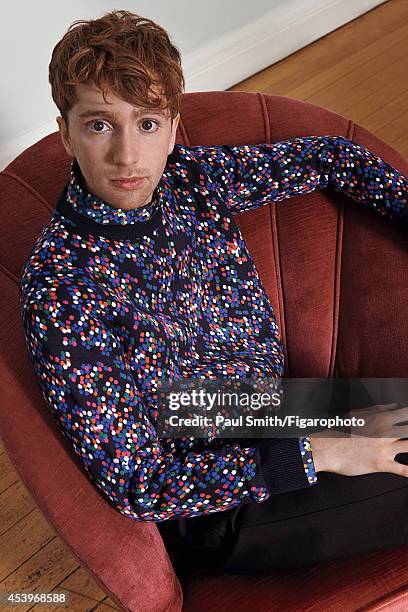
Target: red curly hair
x: 120, y: 51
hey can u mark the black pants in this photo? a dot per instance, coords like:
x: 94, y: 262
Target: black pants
x: 340, y: 516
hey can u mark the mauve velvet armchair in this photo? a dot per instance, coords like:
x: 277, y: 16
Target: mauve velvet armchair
x: 329, y: 265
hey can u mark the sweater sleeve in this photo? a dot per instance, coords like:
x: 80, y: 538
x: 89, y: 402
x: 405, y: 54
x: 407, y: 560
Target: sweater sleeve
x: 88, y: 385
x: 252, y: 175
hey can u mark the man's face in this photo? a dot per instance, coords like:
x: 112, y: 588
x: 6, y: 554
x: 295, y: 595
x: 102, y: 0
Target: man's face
x: 115, y: 140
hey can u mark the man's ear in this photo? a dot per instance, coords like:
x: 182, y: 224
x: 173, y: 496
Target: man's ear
x: 175, y: 123
x: 64, y: 134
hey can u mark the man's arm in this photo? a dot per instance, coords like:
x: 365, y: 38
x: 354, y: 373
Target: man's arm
x: 88, y: 385
x: 252, y: 175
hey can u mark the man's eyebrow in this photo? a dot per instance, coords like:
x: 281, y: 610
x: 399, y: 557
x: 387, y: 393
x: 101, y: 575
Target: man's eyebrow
x: 108, y: 114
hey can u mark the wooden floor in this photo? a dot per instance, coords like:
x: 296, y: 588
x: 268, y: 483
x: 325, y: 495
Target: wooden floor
x: 360, y: 70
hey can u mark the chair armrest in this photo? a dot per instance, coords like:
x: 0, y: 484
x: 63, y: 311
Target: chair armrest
x: 126, y: 558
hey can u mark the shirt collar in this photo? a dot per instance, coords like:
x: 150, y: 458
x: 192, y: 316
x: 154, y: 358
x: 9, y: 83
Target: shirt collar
x: 96, y: 209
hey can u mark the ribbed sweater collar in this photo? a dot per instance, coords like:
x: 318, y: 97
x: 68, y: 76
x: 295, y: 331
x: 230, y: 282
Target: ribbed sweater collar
x: 93, y: 215
x: 99, y: 210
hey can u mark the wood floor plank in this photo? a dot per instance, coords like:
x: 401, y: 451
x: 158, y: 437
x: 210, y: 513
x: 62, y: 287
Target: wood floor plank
x: 367, y: 85
x: 19, y: 543
x: 106, y: 606
x: 15, y: 504
x: 358, y: 71
x: 384, y: 112
x: 80, y: 582
x: 77, y: 603
x: 351, y: 69
x: 41, y: 572
x: 8, y: 474
x: 396, y: 129
x: 326, y: 52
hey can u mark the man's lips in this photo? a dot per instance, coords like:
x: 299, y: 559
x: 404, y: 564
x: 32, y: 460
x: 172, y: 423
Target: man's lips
x: 128, y: 183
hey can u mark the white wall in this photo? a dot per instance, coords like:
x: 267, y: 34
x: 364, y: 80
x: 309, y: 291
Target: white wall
x: 221, y: 42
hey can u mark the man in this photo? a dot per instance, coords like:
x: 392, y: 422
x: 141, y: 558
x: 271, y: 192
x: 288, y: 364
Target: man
x: 141, y: 275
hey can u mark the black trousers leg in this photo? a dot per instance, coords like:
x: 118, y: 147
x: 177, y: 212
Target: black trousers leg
x: 339, y: 517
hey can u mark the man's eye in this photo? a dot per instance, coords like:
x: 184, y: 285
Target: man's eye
x: 149, y: 123
x: 97, y: 126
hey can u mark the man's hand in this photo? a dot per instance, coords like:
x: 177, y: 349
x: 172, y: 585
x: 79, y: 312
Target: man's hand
x: 369, y: 449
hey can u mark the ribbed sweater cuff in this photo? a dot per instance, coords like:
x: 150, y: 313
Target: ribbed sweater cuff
x: 402, y: 219
x: 282, y: 465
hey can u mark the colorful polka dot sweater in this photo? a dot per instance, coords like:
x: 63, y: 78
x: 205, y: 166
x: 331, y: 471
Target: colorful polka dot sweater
x: 114, y: 301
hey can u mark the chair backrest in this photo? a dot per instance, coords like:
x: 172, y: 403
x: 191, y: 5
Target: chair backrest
x: 335, y: 272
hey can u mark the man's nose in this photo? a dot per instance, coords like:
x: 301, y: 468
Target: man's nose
x: 126, y: 148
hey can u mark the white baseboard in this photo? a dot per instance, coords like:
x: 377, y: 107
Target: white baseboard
x: 287, y: 28
x: 224, y: 62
